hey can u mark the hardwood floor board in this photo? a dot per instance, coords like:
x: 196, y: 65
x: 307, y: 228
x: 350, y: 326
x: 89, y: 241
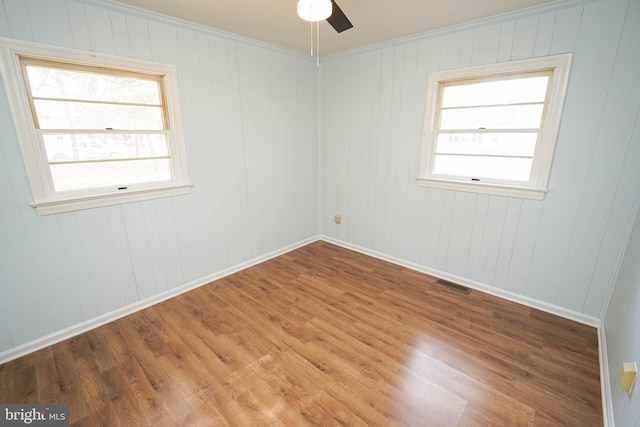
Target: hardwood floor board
x: 465, y: 326
x: 558, y: 409
x: 94, y: 390
x: 46, y: 378
x: 148, y: 335
x: 279, y: 315
x: 321, y: 336
x: 339, y: 388
x: 120, y: 404
x: 69, y: 382
x: 497, y: 412
x: 357, y: 357
x: 417, y: 398
x: 284, y: 396
x: 25, y: 389
x: 205, y: 416
x: 107, y: 347
x: 129, y: 378
x: 222, y: 394
x: 341, y: 414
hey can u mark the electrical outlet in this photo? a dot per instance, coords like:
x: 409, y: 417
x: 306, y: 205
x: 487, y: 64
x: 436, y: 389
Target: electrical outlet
x: 627, y: 376
x: 337, y: 218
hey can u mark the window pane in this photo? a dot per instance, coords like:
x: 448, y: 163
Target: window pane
x: 506, y: 117
x: 66, y: 84
x: 82, y: 115
x: 499, y: 144
x: 514, y: 91
x: 503, y: 168
x: 78, y: 147
x: 78, y: 176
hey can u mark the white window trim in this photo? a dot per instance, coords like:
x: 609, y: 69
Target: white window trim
x: 537, y: 187
x: 45, y: 199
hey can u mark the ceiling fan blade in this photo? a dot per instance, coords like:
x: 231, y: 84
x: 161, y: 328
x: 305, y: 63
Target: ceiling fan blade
x: 338, y: 19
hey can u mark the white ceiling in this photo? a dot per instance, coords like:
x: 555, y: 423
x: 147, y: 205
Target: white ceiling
x: 374, y: 21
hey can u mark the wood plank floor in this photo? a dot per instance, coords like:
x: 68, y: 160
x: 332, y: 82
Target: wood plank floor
x: 321, y: 336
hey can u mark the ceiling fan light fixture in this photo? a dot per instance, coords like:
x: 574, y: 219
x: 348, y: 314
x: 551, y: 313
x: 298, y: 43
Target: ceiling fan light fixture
x: 314, y: 10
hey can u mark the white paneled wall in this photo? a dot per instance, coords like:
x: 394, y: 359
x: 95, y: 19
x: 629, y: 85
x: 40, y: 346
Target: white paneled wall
x: 622, y: 326
x: 561, y: 251
x: 250, y: 115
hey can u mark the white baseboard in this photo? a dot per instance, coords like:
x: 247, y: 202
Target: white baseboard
x: 605, y: 379
x: 70, y: 332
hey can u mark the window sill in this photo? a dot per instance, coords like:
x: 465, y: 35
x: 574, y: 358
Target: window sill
x: 484, y: 188
x: 87, y: 202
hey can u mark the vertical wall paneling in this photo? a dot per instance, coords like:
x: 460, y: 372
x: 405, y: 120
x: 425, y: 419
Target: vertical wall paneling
x: 450, y: 53
x: 51, y: 261
x: 544, y: 34
x: 78, y: 267
x: 18, y: 19
x: 407, y: 194
x: 4, y: 22
x: 395, y: 188
x: 431, y: 227
x: 100, y: 31
x: 444, y: 232
x: 380, y: 124
x: 228, y: 142
x: 5, y: 338
x: 485, y: 45
x: 493, y: 231
x: 566, y: 30
x: 477, y: 236
x: 626, y: 102
x: 416, y: 195
x: 207, y: 166
x: 505, y: 44
x: 610, y: 153
x: 17, y: 268
x: 460, y: 236
x: 122, y: 254
x: 342, y: 160
x: 78, y: 23
x: 466, y: 48
x: 99, y: 246
x: 170, y: 244
x: 357, y: 156
x: 254, y: 100
x: 621, y: 210
x: 524, y: 38
x: 509, y: 228
x: 584, y: 106
x: 524, y: 245
x: 138, y: 31
x: 182, y: 49
x: 50, y: 23
x: 141, y: 252
x: 621, y: 324
x: 120, y: 34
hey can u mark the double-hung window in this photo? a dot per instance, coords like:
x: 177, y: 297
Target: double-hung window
x: 492, y: 129
x: 94, y: 130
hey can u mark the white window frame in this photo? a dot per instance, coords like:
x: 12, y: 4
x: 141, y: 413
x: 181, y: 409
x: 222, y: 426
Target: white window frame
x: 45, y: 199
x: 537, y: 186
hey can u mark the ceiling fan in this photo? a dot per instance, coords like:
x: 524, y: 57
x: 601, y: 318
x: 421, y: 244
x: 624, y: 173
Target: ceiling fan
x: 338, y: 19
x: 318, y: 10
